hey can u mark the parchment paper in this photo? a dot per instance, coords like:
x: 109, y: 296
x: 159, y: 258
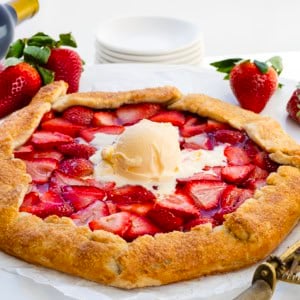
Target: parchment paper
x: 123, y: 77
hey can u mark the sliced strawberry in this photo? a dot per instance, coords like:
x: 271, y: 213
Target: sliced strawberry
x: 179, y: 204
x: 48, y: 154
x: 105, y: 118
x: 256, y: 184
x: 117, y: 223
x: 219, y: 215
x: 206, y: 194
x: 234, y: 197
x: 77, y: 150
x: 40, y: 169
x: 191, y: 119
x: 62, y: 126
x: 250, y: 148
x: 262, y: 160
x: 215, y: 125
x: 201, y: 176
x: 89, y: 133
x: 58, y: 180
x: 236, y: 174
x: 94, y: 211
x: 112, y: 207
x: 77, y: 167
x: 231, y: 196
x: 30, y: 200
x: 257, y: 174
x: 48, y: 116
x: 39, y: 188
x: 165, y: 219
x: 246, y: 194
x: 79, y: 115
x: 216, y: 171
x: 198, y: 221
x: 130, y: 194
x: 140, y: 209
x: 82, y: 196
x: 132, y: 113
x: 229, y: 136
x: 190, y: 130
x: 199, y: 141
x: 50, y: 204
x: 139, y: 226
x: 177, y: 118
x: 24, y: 152
x: 236, y: 156
x: 46, y: 139
x: 55, y: 204
x: 103, y: 185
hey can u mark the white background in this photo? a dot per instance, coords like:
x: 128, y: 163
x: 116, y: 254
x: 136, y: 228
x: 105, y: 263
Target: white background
x: 229, y: 26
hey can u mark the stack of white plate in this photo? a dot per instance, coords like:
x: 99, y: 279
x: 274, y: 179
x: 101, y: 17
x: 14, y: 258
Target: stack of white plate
x: 158, y: 40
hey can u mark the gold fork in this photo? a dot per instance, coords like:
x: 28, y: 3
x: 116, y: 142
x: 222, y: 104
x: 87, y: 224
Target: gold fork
x: 284, y: 267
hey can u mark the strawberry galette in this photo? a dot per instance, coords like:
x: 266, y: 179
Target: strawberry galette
x: 145, y: 187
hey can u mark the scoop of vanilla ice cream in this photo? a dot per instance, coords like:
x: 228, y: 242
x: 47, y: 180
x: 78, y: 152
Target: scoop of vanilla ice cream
x: 146, y: 151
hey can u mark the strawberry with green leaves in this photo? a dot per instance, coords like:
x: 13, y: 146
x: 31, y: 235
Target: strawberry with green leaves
x: 31, y: 63
x: 47, y: 55
x: 252, y: 82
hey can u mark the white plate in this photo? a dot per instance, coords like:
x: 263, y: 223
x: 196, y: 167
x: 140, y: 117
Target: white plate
x: 114, y: 77
x: 148, y: 35
x: 197, y: 48
x: 181, y: 60
x: 101, y: 60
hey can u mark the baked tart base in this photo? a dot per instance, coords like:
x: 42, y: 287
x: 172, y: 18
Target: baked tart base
x: 247, y: 235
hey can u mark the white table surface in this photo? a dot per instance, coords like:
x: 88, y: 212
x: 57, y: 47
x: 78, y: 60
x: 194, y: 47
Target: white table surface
x: 63, y: 16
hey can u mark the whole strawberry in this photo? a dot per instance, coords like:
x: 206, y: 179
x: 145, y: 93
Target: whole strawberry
x: 18, y: 84
x: 293, y: 105
x: 50, y: 57
x: 252, y: 82
x: 66, y: 65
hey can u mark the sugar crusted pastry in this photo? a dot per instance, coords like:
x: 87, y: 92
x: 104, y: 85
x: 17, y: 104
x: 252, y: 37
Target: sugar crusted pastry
x: 247, y: 235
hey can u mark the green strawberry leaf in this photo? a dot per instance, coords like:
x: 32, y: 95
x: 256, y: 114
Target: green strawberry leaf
x: 46, y: 75
x: 12, y: 61
x: 36, y: 55
x: 262, y: 66
x: 66, y: 39
x: 226, y: 65
x: 276, y: 63
x: 16, y: 49
x: 298, y: 114
x: 41, y: 39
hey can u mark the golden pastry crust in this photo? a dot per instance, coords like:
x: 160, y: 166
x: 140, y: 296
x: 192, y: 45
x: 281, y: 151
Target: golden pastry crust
x: 264, y: 131
x: 100, y: 100
x: 249, y: 234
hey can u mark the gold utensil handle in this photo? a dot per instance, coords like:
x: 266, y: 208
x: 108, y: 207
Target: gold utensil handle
x: 259, y: 290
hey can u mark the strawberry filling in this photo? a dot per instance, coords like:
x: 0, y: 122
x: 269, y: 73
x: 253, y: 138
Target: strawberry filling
x: 59, y: 158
